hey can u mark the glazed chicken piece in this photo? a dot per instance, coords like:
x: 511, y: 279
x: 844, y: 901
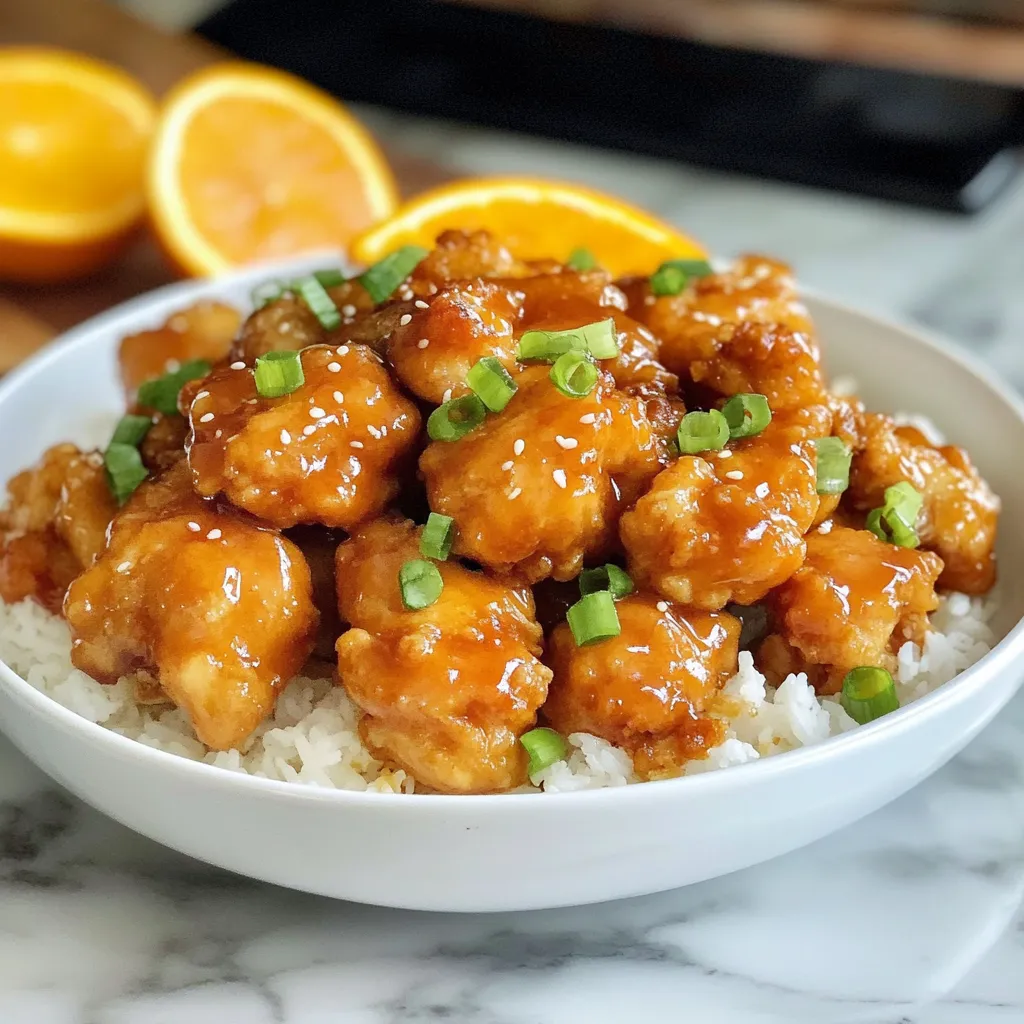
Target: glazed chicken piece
x: 855, y: 601
x: 200, y: 601
x: 331, y: 452
x: 724, y: 529
x: 462, y: 256
x: 203, y: 331
x: 447, y: 690
x: 540, y: 486
x: 647, y: 689
x: 56, y: 523
x: 960, y: 513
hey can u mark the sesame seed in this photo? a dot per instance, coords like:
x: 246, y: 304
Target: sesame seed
x: 420, y: 304
x: 202, y: 394
x: 565, y: 442
x: 406, y: 293
x: 194, y: 527
x: 588, y: 418
x: 734, y: 474
x: 355, y: 444
x: 309, y: 430
x: 214, y: 534
x: 124, y: 566
x: 334, y: 367
x: 761, y: 490
x: 423, y: 343
x: 514, y: 493
x: 447, y: 396
x: 725, y: 454
x: 343, y: 350
x: 172, y: 366
x: 218, y: 432
x: 506, y: 466
x: 251, y: 401
x: 348, y: 310
x: 559, y: 477
x: 286, y: 438
x: 375, y: 432
x: 206, y: 417
x: 339, y: 397
x: 317, y: 413
x: 239, y: 365
x: 432, y: 289
x: 405, y: 318
x: 519, y: 447
x: 662, y: 606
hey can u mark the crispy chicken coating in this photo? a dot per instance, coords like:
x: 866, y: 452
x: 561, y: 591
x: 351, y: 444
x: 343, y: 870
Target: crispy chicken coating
x: 330, y: 452
x: 212, y: 608
x: 716, y: 530
x: 540, y: 487
x: 647, y: 689
x: 960, y: 513
x: 447, y: 690
x: 461, y: 256
x: 853, y: 602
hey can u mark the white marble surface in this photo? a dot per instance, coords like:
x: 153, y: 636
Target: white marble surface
x: 909, y: 917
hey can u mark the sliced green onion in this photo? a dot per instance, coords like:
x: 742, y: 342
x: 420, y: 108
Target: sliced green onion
x: 833, y: 465
x: 313, y: 293
x: 581, y: 259
x: 574, y: 374
x: 267, y: 292
x: 593, y: 618
x: 329, y: 278
x: 868, y: 693
x: 381, y: 280
x: 747, y: 415
x: 545, y: 747
x: 456, y: 418
x: 278, y: 374
x: 894, y: 521
x: 125, y: 470
x: 674, y: 275
x: 161, y: 393
x: 420, y: 583
x: 131, y: 430
x: 606, y: 577
x: 491, y: 382
x: 599, y: 339
x: 437, y: 537
x: 702, y: 432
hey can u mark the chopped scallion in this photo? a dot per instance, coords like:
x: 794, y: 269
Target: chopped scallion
x: 702, y: 432
x: 492, y: 383
x: 606, y: 577
x: 581, y: 259
x: 895, y: 521
x: 833, y: 465
x: 574, y: 374
x: 125, y: 470
x: 545, y: 747
x: 420, y: 583
x: 868, y: 693
x: 456, y: 418
x: 593, y: 618
x: 381, y: 280
x: 437, y: 537
x: 747, y: 415
x: 674, y: 275
x: 161, y: 393
x: 278, y: 374
x: 599, y: 339
x: 313, y: 293
x: 329, y: 278
x: 131, y: 430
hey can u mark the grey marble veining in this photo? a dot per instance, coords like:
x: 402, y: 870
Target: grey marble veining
x: 909, y: 917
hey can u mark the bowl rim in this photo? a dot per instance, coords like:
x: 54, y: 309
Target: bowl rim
x: 945, y: 697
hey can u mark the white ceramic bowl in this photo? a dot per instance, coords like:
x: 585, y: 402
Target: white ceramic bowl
x: 523, y: 851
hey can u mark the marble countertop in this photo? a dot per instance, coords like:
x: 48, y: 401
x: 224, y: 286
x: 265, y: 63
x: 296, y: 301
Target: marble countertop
x: 912, y: 916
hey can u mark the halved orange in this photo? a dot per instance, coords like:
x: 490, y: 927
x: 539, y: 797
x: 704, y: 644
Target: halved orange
x: 73, y: 139
x: 250, y: 163
x: 536, y: 219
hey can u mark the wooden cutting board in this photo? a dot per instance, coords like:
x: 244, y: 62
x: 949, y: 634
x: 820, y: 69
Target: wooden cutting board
x: 29, y: 317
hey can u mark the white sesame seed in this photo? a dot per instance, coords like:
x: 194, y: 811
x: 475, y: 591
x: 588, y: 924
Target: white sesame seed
x: 725, y: 454
x: 761, y: 490
x: 559, y: 477
x: 519, y: 447
x: 405, y: 318
x: 214, y: 534
x: 309, y: 430
x: 286, y: 438
x: 514, y: 493
x: 734, y: 474
x: 317, y: 413
x: 202, y: 394
x: 343, y: 350
x: 239, y: 365
x: 565, y: 442
x: 588, y: 418
x: 432, y: 289
x: 348, y: 310
x: 662, y: 606
x: 206, y: 417
x: 339, y: 397
x: 355, y: 444
x: 506, y: 466
x: 124, y: 566
x: 447, y: 396
x: 251, y: 401
x: 217, y: 433
x: 334, y: 367
x: 423, y: 343
x: 374, y: 432
x: 420, y: 304
x: 194, y: 527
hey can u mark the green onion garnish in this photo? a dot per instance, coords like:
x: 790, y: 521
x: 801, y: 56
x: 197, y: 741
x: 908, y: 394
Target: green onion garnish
x: 437, y: 536
x: 894, y: 521
x: 329, y: 278
x: 268, y: 292
x: 833, y: 465
x: 312, y: 292
x: 381, y: 280
x: 747, y: 415
x: 545, y: 747
x: 161, y: 393
x: 278, y: 374
x: 593, y: 618
x: 456, y: 418
x: 131, y: 430
x: 599, y: 339
x: 868, y: 693
x: 125, y: 470
x: 606, y: 577
x: 574, y: 374
x: 491, y: 382
x: 420, y: 583
x: 702, y: 432
x: 674, y: 275
x: 581, y: 259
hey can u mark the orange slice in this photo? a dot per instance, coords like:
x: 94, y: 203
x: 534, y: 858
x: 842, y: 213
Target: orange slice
x: 250, y: 163
x: 73, y: 138
x: 536, y: 219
